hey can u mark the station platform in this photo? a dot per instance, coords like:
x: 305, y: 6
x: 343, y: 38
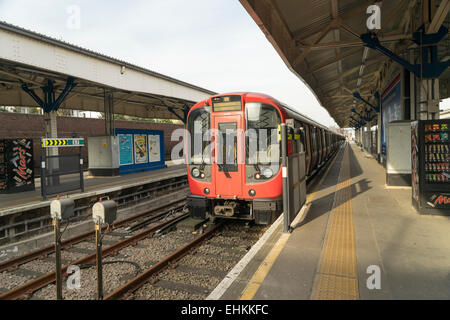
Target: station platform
x: 23, y: 201
x: 359, y: 240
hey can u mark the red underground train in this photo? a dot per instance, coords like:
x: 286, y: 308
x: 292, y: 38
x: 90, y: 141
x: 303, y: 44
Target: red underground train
x: 233, y: 158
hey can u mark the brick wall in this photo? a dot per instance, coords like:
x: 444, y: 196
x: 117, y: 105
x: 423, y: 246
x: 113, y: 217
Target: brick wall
x: 17, y: 125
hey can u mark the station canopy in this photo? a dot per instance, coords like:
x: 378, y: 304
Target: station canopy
x: 32, y: 59
x: 320, y: 42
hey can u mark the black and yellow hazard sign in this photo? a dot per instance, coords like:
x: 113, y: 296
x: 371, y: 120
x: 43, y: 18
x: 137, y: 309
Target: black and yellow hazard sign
x: 62, y: 142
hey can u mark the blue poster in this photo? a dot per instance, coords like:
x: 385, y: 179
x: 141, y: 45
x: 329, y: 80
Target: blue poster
x: 391, y: 109
x: 125, y: 149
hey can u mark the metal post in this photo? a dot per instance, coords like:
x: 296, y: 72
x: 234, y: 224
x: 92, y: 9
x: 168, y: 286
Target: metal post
x: 284, y: 164
x: 81, y: 170
x: 43, y: 178
x: 58, y: 259
x: 98, y: 242
x: 109, y: 112
x: 51, y: 131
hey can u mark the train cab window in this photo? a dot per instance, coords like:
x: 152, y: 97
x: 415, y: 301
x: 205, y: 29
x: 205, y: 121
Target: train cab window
x: 200, y: 156
x: 261, y: 142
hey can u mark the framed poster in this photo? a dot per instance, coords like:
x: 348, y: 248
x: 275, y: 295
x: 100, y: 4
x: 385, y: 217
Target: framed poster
x: 391, y: 108
x: 125, y: 149
x: 140, y: 148
x: 154, y: 148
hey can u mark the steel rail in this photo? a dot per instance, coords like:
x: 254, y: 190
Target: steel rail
x: 36, y: 284
x: 35, y: 254
x: 135, y: 283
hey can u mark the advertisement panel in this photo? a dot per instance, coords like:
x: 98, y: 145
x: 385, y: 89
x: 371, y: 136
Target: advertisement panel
x: 140, y: 148
x: 16, y: 167
x: 391, y: 102
x: 154, y: 148
x: 125, y: 149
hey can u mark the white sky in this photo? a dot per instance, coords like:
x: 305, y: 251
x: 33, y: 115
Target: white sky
x: 214, y: 44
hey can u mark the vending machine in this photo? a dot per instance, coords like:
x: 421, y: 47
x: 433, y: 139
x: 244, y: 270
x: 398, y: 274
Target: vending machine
x: 16, y: 165
x: 430, y: 157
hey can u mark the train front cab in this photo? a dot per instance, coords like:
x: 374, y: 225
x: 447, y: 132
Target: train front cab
x: 241, y: 179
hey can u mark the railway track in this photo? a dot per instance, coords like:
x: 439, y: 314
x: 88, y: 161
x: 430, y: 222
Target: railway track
x: 195, y: 268
x: 177, y: 265
x: 28, y: 273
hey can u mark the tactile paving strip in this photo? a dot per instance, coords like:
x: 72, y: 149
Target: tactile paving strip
x: 337, y: 278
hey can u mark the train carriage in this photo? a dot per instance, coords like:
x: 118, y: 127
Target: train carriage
x: 233, y: 158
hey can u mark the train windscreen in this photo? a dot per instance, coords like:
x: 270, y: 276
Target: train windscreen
x: 200, y: 155
x: 262, y: 145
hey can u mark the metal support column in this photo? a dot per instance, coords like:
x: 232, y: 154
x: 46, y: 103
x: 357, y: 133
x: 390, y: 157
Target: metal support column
x: 109, y: 112
x: 428, y: 104
x: 379, y: 138
x: 284, y: 166
x: 51, y: 131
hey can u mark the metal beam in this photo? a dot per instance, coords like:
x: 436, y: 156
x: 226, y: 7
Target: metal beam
x: 337, y: 58
x: 439, y: 17
x: 305, y: 52
x: 356, y: 43
x: 354, y: 11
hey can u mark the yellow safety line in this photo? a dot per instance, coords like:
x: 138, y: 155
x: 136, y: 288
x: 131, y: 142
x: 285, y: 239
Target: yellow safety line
x: 337, y: 277
x: 264, y: 268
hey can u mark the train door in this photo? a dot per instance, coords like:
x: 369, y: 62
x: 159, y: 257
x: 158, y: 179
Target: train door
x: 228, y: 169
x: 307, y: 148
x: 314, y: 149
x: 319, y: 145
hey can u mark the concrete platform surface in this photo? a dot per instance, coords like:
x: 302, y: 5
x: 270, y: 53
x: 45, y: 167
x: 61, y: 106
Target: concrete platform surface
x: 359, y: 240
x: 17, y: 202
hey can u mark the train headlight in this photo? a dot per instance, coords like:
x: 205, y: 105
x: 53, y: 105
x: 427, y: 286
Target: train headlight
x: 257, y: 176
x: 267, y: 173
x: 195, y: 172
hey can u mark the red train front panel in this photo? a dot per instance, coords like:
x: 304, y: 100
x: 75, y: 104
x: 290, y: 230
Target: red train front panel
x: 238, y: 170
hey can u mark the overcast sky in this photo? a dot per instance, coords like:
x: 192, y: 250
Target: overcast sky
x: 214, y: 44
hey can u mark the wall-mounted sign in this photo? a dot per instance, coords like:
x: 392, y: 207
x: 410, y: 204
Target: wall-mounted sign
x: 140, y: 148
x: 62, y: 142
x: 391, y: 102
x: 125, y: 149
x: 154, y: 148
x: 16, y: 167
